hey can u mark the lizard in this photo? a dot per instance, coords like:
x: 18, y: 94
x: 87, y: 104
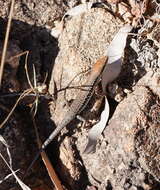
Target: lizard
x: 78, y: 104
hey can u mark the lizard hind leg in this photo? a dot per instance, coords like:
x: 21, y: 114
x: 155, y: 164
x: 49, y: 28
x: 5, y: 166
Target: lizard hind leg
x: 81, y: 119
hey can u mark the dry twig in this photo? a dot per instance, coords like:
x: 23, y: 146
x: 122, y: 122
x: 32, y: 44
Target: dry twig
x: 50, y: 169
x: 28, y: 91
x: 6, y: 41
x: 22, y: 185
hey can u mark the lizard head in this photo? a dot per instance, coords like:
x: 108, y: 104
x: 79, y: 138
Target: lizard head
x: 99, y: 65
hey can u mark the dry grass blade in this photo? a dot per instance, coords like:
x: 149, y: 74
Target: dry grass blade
x: 25, y: 93
x: 45, y: 79
x: 27, y: 74
x: 8, y: 176
x: 35, y: 105
x: 10, y: 113
x: 16, y: 56
x: 23, y: 186
x: 47, y: 162
x: 2, y: 140
x: 34, y: 88
x: 6, y: 41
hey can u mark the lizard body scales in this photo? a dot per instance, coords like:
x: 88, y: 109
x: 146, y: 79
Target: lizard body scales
x: 82, y: 100
x: 79, y: 103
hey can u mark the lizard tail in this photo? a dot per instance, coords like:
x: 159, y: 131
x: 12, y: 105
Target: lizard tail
x: 34, y: 160
x: 52, y: 136
x: 45, y: 144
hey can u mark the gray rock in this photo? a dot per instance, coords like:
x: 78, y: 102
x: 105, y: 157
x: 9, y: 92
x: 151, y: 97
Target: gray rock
x: 132, y: 147
x: 121, y: 160
x: 82, y: 42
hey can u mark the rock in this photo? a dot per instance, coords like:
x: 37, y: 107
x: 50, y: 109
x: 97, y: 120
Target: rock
x: 121, y: 160
x: 127, y: 156
x: 82, y: 42
x: 130, y: 147
x: 34, y: 12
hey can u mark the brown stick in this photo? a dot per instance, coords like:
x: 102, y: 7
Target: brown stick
x: 6, y: 41
x: 53, y: 176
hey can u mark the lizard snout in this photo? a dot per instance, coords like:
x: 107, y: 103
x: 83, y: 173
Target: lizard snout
x: 99, y: 65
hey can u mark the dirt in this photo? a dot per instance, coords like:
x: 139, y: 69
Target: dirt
x: 127, y: 154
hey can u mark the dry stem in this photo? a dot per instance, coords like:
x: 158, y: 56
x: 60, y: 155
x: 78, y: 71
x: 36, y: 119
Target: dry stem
x: 6, y: 41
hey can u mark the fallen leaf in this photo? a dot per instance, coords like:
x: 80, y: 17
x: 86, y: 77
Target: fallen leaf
x: 79, y: 9
x: 97, y: 129
x: 115, y: 52
x: 110, y: 73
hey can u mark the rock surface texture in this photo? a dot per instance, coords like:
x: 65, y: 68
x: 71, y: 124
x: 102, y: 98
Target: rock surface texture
x: 129, y: 150
x: 83, y: 41
x: 127, y: 155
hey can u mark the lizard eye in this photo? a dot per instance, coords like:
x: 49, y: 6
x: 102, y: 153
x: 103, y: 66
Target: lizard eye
x: 67, y: 103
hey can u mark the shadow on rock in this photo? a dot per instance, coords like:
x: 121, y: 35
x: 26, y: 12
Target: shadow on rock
x: 43, y: 49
